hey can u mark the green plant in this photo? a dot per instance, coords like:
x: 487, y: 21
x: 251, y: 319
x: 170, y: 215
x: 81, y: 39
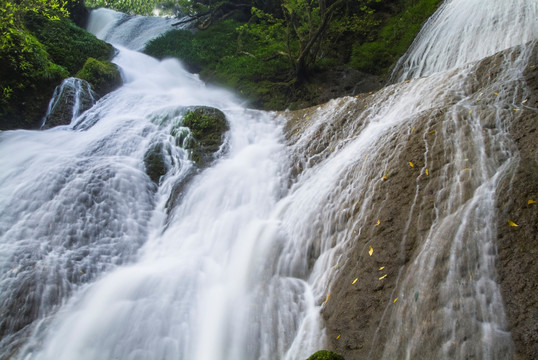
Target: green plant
x: 377, y: 56
x: 104, y: 76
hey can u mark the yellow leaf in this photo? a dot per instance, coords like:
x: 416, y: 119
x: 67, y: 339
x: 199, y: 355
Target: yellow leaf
x: 516, y: 109
x: 395, y: 300
x: 328, y: 297
x: 371, y: 251
x: 470, y: 111
x: 338, y: 337
x: 331, y: 149
x: 411, y: 164
x: 511, y: 223
x: 427, y: 172
x: 382, y: 277
x: 378, y: 222
x: 308, y: 118
x: 432, y: 132
x: 381, y: 268
x: 354, y: 281
x: 413, y: 129
x: 496, y: 93
x: 531, y: 202
x: 385, y: 177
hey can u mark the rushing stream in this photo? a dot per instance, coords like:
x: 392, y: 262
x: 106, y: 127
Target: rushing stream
x: 94, y: 265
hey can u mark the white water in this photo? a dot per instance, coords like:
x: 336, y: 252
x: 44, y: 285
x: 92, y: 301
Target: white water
x: 462, y: 31
x: 241, y: 267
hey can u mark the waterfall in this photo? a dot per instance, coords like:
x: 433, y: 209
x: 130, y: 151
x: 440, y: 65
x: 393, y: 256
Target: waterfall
x: 366, y: 225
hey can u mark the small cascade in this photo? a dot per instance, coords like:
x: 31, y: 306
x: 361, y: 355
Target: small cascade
x: 69, y: 100
x: 129, y: 31
x: 463, y: 31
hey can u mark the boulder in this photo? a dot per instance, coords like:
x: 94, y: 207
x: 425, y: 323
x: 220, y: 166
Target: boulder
x: 70, y: 99
x: 207, y: 126
x: 325, y: 355
x: 155, y: 162
x: 104, y: 76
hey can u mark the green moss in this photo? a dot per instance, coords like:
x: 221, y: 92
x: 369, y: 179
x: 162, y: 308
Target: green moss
x: 67, y: 44
x: 27, y: 80
x: 207, y: 126
x: 394, y: 38
x: 325, y: 355
x: 40, y: 55
x: 154, y: 162
x: 103, y: 76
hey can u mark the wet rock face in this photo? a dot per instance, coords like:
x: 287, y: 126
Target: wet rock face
x: 517, y: 245
x: 366, y: 289
x: 325, y: 355
x: 70, y: 99
x: 155, y: 162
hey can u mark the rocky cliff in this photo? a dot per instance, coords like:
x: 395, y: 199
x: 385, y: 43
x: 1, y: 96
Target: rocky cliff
x: 433, y: 216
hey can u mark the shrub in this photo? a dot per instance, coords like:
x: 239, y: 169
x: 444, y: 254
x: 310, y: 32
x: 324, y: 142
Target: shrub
x: 104, y: 76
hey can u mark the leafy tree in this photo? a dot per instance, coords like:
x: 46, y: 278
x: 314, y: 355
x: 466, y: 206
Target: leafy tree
x: 304, y: 26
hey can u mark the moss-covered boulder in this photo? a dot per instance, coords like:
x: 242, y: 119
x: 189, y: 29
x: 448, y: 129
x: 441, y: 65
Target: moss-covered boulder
x: 207, y: 126
x: 104, y: 76
x: 325, y: 355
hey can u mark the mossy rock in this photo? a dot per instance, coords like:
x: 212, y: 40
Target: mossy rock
x: 325, y: 355
x: 104, y: 76
x: 155, y: 162
x: 207, y: 126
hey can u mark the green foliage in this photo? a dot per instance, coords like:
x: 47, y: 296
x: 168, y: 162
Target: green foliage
x: 325, y: 355
x: 67, y: 44
x: 394, y: 38
x: 207, y: 126
x: 32, y: 31
x: 197, y: 50
x: 104, y: 76
x: 140, y: 7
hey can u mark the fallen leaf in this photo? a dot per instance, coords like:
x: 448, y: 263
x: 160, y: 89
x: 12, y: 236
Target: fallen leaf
x: 496, y: 93
x: 516, y: 109
x: 382, y: 277
x: 378, y: 222
x: 427, y: 172
x: 470, y: 111
x: 371, y: 251
x: 354, y: 281
x: 531, y: 202
x: 511, y: 223
x: 395, y: 300
x: 328, y: 297
x: 338, y: 337
x: 381, y: 268
x: 432, y: 132
x: 413, y: 129
x: 385, y: 177
x: 411, y: 164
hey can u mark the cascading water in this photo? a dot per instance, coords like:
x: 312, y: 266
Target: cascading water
x: 94, y: 266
